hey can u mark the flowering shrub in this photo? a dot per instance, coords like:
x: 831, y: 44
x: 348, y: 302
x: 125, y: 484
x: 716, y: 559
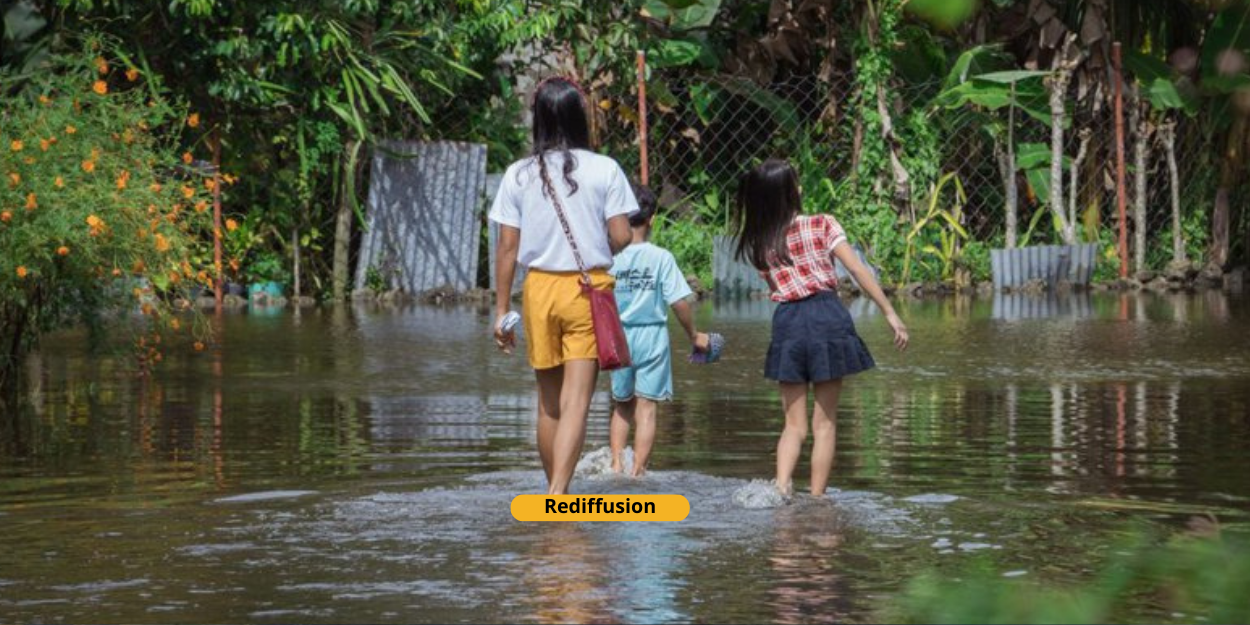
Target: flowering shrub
x: 98, y: 214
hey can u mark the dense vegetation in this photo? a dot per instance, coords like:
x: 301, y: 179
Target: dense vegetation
x: 931, y: 128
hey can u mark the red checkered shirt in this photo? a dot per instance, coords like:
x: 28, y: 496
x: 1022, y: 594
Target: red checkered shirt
x: 810, y: 239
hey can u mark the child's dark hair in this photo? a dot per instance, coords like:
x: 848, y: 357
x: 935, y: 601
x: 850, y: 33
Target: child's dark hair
x: 646, y: 205
x: 559, y: 124
x: 768, y: 200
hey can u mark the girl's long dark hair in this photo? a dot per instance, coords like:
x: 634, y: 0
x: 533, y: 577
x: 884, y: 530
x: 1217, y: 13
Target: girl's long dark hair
x: 768, y: 200
x: 559, y: 124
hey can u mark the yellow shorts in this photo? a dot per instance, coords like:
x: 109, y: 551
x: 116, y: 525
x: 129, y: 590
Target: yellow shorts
x: 556, y: 314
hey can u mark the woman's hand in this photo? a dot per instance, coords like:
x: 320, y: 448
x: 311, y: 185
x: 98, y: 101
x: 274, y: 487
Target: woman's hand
x: 505, y: 341
x: 900, y: 331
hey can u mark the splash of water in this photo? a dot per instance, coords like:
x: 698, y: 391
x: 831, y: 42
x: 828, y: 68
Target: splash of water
x: 759, y: 494
x: 597, y: 464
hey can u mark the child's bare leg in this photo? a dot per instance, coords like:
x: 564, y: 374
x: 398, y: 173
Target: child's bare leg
x: 794, y: 403
x: 618, y: 431
x: 644, y: 435
x: 824, y: 433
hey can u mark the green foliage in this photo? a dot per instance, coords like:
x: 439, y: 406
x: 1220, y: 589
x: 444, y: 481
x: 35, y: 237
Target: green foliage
x: 94, y: 200
x: 938, y: 234
x: 1202, y: 577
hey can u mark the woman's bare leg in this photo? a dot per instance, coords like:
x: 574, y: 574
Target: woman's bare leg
x: 575, y: 394
x: 618, y: 432
x: 549, y: 383
x: 824, y: 433
x: 794, y: 404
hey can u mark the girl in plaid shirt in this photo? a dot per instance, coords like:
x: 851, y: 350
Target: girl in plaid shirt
x: 814, y: 344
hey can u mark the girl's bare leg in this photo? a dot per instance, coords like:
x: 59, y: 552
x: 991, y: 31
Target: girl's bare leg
x: 794, y: 403
x: 618, y: 431
x: 578, y: 386
x: 644, y: 435
x: 824, y: 433
x: 549, y: 383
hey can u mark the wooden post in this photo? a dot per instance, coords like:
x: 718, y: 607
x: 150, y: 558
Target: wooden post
x: 220, y: 295
x: 1119, y: 157
x: 643, y: 175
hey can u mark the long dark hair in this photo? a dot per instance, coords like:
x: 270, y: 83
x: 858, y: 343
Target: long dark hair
x: 768, y: 200
x: 559, y: 124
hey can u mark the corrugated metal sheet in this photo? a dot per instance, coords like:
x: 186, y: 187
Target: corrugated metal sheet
x: 423, y: 227
x: 1049, y: 263
x: 732, y: 278
x: 1015, y: 306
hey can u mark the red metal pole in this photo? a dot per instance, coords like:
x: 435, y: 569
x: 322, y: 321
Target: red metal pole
x: 217, y: 217
x: 1119, y: 156
x: 642, y: 116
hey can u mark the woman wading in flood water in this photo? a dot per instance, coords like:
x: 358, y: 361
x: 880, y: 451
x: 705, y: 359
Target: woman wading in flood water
x: 595, y: 196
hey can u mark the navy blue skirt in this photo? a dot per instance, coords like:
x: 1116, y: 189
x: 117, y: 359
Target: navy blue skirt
x: 814, y: 340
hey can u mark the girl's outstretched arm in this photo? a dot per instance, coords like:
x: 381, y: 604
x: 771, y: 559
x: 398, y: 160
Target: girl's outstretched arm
x: 505, y: 270
x: 863, y: 277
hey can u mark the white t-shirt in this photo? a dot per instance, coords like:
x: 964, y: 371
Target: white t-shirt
x: 602, y: 193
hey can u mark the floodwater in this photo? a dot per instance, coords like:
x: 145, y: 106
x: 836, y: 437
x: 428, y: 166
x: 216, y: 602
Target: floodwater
x: 357, y: 465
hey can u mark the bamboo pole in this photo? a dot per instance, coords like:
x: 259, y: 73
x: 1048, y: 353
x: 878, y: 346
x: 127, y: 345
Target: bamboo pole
x: 1119, y: 157
x: 643, y: 174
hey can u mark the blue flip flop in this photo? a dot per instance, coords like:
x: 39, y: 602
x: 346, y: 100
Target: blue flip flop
x: 716, y: 343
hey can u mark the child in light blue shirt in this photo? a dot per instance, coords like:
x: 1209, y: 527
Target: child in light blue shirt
x: 648, y: 283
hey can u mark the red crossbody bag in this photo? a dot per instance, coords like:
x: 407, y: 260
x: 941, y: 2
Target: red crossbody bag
x: 609, y: 333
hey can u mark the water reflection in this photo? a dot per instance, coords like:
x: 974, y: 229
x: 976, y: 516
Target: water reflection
x: 415, y: 434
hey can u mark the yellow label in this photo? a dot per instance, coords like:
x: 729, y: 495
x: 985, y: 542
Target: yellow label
x: 600, y: 507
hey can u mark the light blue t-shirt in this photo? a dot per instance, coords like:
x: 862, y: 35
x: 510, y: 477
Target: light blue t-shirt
x: 647, y: 283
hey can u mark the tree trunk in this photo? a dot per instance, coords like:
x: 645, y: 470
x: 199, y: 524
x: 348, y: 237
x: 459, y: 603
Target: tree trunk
x: 1142, y: 132
x: 1009, y: 175
x: 343, y: 222
x: 1230, y: 168
x: 1058, y: 83
x: 1074, y: 177
x: 1167, y: 134
x: 295, y: 245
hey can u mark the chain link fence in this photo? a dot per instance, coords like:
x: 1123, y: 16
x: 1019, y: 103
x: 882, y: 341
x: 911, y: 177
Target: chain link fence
x: 705, y: 131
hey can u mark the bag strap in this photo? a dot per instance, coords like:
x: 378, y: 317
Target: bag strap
x: 568, y: 231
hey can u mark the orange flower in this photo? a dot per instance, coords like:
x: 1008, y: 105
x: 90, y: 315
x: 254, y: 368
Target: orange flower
x: 100, y: 87
x: 44, y: 144
x: 45, y: 100
x: 201, y: 206
x: 162, y: 244
x: 193, y: 120
x: 59, y: 182
x: 174, y: 277
x: 30, y: 160
x: 199, y: 347
x: 138, y: 267
x: 116, y: 272
x: 155, y: 187
x: 132, y: 74
x: 123, y: 179
x: 69, y: 130
x: 15, y: 179
x: 174, y: 324
x: 101, y: 65
x: 231, y: 225
x: 151, y: 209
x: 62, y: 251
x: 187, y: 158
x: 210, y: 184
x: 94, y: 221
x: 147, y: 309
x: 21, y: 271
x: 6, y: 217
x: 188, y: 192
x: 16, y: 145
x: 234, y: 264
x: 31, y: 202
x: 229, y: 179
x: 88, y: 166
